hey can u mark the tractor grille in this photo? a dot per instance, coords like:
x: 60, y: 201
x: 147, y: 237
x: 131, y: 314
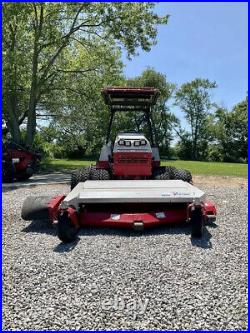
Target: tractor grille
x: 133, y: 160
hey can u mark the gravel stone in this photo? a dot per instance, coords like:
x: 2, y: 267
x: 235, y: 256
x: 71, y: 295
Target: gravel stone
x: 189, y: 284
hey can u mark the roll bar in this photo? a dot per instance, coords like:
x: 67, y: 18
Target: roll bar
x: 130, y: 99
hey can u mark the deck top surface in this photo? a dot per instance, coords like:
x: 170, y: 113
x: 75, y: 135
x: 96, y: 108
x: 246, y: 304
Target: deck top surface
x: 128, y: 191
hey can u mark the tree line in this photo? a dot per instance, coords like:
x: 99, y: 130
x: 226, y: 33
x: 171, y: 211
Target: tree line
x: 58, y: 56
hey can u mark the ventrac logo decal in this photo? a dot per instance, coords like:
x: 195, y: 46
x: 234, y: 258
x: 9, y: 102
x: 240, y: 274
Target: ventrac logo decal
x: 181, y: 193
x: 168, y: 194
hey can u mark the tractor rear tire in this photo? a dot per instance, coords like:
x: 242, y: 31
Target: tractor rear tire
x: 162, y: 173
x: 170, y: 172
x: 197, y: 222
x: 66, y: 231
x: 181, y: 174
x: 99, y: 174
x: 80, y: 175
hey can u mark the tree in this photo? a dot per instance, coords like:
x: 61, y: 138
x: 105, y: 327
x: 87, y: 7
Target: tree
x: 83, y: 133
x: 16, y: 68
x: 230, y: 129
x: 37, y: 37
x: 79, y: 112
x: 162, y: 119
x: 194, y: 99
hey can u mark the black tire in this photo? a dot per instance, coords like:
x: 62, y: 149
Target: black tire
x: 23, y: 176
x: 8, y: 172
x: 162, y: 173
x: 197, y: 222
x: 185, y: 175
x: 66, y: 231
x: 35, y: 208
x: 80, y: 175
x: 181, y: 174
x: 99, y: 174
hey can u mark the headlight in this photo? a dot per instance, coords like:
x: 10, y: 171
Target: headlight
x: 126, y: 143
x: 137, y: 143
x: 121, y: 142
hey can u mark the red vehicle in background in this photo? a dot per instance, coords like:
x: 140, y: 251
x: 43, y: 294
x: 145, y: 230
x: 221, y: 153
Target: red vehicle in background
x: 18, y: 162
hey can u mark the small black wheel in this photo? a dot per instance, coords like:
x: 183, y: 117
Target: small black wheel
x: 80, y: 175
x: 99, y: 174
x: 66, y: 231
x: 197, y: 222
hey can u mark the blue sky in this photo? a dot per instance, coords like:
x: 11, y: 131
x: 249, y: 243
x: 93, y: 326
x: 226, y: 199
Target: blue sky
x: 208, y: 40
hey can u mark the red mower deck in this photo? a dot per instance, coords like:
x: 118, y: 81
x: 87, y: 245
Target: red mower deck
x: 135, y: 204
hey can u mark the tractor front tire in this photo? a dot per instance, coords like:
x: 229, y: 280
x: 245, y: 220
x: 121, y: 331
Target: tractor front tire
x: 80, y: 175
x: 99, y: 174
x: 197, y: 222
x: 66, y: 231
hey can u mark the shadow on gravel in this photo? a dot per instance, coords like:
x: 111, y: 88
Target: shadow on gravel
x: 180, y: 229
x: 170, y: 229
x: 60, y: 248
x: 9, y: 188
x: 42, y: 178
x: 15, y: 186
x: 43, y: 227
x: 212, y: 225
x: 204, y: 242
x: 95, y: 231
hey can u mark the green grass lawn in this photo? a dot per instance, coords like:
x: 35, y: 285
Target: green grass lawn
x: 196, y: 168
x: 211, y: 168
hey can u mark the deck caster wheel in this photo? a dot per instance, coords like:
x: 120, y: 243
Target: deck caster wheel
x: 197, y: 222
x: 66, y: 230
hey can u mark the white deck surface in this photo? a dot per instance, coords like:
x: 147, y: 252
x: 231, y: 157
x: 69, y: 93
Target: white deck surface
x: 130, y: 191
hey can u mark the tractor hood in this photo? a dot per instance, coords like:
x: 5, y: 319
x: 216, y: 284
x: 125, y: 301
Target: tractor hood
x: 132, y: 142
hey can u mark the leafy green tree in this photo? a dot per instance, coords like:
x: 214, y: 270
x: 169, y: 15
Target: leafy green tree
x: 80, y: 117
x: 15, y: 67
x: 193, y: 98
x: 162, y: 119
x: 230, y: 131
x: 39, y: 36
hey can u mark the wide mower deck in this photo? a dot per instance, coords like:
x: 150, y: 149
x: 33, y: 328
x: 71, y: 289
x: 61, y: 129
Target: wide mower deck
x: 136, y: 204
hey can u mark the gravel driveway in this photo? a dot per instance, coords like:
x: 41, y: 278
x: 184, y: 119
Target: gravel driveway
x: 116, y: 279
